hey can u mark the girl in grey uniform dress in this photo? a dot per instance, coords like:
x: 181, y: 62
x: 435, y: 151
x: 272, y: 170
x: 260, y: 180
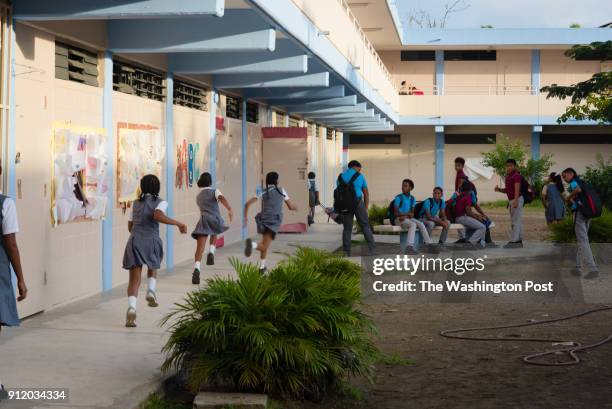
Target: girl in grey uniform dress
x: 553, y: 201
x: 270, y: 218
x: 144, y: 247
x: 210, y: 223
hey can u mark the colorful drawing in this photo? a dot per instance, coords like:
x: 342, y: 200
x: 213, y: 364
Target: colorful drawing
x: 187, y: 170
x: 140, y: 152
x: 80, y: 186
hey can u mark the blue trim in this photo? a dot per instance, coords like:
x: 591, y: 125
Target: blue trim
x: 535, y: 144
x: 487, y: 120
x: 212, y: 143
x: 440, y: 71
x: 440, y: 158
x: 107, y: 124
x: 440, y: 37
x: 316, y: 80
x: 535, y: 72
x: 345, y: 150
x: 170, y: 168
x: 335, y: 91
x: 243, y: 166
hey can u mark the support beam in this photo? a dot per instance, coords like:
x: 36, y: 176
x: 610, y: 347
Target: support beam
x: 439, y: 130
x: 170, y: 169
x: 107, y: 124
x: 312, y: 112
x: 535, y: 72
x: 350, y: 100
x: 536, y: 133
x: 34, y: 10
x: 243, y: 167
x: 272, y: 80
x: 286, y: 58
x: 212, y: 143
x: 369, y: 113
x: 348, y: 121
x: 293, y: 93
x: 240, y: 30
x: 345, y: 150
x: 440, y: 71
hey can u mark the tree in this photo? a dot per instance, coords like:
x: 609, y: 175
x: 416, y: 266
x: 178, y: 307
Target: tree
x: 591, y: 99
x: 507, y: 148
x: 575, y: 25
x: 423, y: 19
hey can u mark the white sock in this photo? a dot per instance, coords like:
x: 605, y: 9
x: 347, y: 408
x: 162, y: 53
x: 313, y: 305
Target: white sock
x: 197, y: 265
x: 152, y: 283
x: 211, y: 249
x: 132, y: 301
x: 254, y: 244
x: 262, y: 263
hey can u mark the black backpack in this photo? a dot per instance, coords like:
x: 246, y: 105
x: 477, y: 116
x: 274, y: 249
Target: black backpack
x: 391, y: 209
x: 417, y: 209
x: 590, y: 203
x: 527, y: 191
x: 345, y: 197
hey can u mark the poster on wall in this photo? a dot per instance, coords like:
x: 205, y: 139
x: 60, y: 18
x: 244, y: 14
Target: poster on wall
x: 187, y: 170
x: 79, y: 184
x: 140, y: 152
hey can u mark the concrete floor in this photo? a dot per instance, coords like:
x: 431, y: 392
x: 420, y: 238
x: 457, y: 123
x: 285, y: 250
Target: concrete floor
x: 85, y: 348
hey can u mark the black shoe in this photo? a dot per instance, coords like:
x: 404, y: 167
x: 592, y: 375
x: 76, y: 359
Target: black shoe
x: 3, y: 393
x: 592, y: 275
x: 576, y: 272
x: 431, y: 249
x: 461, y: 241
x: 210, y: 259
x: 263, y: 270
x: 513, y: 244
x: 410, y: 251
x: 248, y: 247
x: 195, y: 277
x: 491, y: 245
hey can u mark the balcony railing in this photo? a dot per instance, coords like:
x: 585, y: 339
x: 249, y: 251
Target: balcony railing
x: 471, y: 90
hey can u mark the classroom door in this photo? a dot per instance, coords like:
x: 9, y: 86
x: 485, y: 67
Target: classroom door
x: 285, y: 150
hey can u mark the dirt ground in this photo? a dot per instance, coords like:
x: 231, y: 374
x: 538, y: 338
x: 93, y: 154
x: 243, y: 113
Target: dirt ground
x: 534, y: 224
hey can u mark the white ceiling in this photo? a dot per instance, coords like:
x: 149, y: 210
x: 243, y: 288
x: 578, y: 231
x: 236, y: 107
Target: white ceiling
x: 375, y: 20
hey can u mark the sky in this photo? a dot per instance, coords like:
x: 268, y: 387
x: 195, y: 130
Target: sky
x: 515, y: 13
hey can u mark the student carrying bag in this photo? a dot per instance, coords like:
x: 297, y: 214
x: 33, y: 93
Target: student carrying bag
x: 590, y: 203
x: 391, y: 209
x: 345, y: 197
x: 527, y: 191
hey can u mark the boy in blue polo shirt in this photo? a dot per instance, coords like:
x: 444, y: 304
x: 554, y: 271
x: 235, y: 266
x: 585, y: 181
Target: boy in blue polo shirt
x: 403, y: 207
x: 360, y: 212
x: 433, y: 214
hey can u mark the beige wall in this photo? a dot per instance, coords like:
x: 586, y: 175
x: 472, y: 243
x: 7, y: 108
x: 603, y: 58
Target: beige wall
x: 558, y: 69
x: 421, y: 74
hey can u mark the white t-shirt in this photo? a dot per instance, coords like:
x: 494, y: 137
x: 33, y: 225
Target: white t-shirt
x: 316, y: 188
x: 163, y: 206
x: 283, y: 191
x: 217, y: 192
x: 10, y: 223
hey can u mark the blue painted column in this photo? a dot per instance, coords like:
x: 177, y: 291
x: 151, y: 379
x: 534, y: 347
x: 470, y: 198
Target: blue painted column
x: 345, y: 150
x: 269, y: 116
x: 243, y: 166
x: 439, y: 156
x: 324, y: 159
x: 313, y: 149
x: 440, y: 71
x: 107, y: 124
x: 536, y: 132
x: 535, y: 72
x: 170, y: 168
x: 12, y: 117
x: 212, y: 143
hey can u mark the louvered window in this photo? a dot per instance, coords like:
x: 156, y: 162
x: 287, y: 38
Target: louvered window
x: 330, y: 134
x: 294, y: 122
x: 143, y: 82
x: 76, y: 64
x: 232, y: 107
x: 190, y: 96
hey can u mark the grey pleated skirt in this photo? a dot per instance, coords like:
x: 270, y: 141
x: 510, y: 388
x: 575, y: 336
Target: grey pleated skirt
x: 209, y: 225
x: 141, y: 251
x: 8, y: 305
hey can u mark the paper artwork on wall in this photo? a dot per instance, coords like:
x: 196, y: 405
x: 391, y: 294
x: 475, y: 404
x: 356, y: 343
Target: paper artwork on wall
x: 79, y: 181
x: 140, y: 152
x: 187, y: 170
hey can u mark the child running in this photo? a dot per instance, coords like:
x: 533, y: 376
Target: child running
x: 270, y: 218
x: 144, y: 247
x: 210, y: 223
x: 433, y: 213
x: 313, y: 197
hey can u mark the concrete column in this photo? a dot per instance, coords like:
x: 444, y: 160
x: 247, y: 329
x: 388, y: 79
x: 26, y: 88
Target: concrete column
x: 440, y: 71
x: 535, y: 72
x: 107, y: 124
x: 439, y: 156
x: 243, y: 166
x: 212, y: 143
x: 170, y: 168
x: 536, y: 132
x: 345, y: 150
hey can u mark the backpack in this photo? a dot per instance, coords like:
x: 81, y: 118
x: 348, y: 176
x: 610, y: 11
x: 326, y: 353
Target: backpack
x: 345, y: 197
x: 527, y: 191
x: 590, y: 202
x: 450, y: 210
x: 391, y: 209
x: 417, y: 209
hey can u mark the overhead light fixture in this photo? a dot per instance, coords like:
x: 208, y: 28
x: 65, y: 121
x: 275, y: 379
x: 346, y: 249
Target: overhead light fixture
x: 371, y: 29
x: 323, y: 32
x: 356, y: 67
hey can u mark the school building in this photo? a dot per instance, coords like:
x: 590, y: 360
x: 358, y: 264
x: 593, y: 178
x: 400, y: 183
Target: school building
x: 94, y: 92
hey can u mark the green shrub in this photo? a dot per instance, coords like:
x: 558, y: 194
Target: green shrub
x: 324, y: 262
x: 295, y: 332
x: 600, y: 177
x: 377, y: 214
x: 599, y: 232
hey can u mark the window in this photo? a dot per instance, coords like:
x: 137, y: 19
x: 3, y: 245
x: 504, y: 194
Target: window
x: 476, y: 139
x: 375, y: 139
x: 232, y: 107
x: 311, y: 128
x: 470, y: 55
x: 190, y: 96
x: 317, y: 130
x: 330, y: 133
x: 135, y: 80
x: 252, y: 112
x: 76, y: 64
x: 425, y: 55
x: 280, y: 118
x: 294, y: 122
x: 578, y: 139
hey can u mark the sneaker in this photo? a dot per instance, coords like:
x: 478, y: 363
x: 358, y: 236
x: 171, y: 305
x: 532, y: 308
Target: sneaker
x: 210, y: 259
x: 263, y: 270
x: 195, y: 277
x: 248, y: 247
x: 491, y: 245
x: 130, y: 318
x: 151, y: 298
x: 461, y: 241
x: 592, y: 275
x: 513, y: 244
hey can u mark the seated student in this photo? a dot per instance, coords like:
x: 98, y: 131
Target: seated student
x: 433, y: 214
x: 488, y: 221
x: 469, y: 217
x: 403, y: 208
